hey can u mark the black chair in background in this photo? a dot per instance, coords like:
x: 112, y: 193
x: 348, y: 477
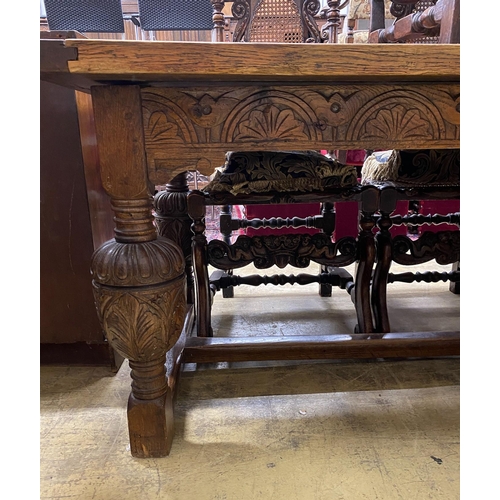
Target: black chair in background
x: 105, y: 16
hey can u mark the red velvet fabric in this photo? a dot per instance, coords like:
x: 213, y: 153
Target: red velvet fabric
x: 442, y: 207
x: 355, y: 156
x: 268, y: 211
x: 401, y: 209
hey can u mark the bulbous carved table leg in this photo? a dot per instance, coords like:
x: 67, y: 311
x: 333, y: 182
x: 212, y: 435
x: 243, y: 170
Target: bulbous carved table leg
x: 140, y: 294
x: 139, y: 277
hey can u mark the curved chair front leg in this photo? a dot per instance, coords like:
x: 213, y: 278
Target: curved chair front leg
x: 366, y: 260
x: 383, y: 242
x: 203, y: 296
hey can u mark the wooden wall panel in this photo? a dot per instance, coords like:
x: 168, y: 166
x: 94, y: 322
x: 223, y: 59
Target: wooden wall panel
x: 67, y: 312
x: 75, y: 219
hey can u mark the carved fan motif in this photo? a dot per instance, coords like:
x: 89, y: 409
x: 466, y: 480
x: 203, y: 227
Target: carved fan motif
x: 397, y: 122
x: 271, y: 123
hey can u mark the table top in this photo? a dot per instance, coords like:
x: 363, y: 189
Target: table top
x: 81, y: 63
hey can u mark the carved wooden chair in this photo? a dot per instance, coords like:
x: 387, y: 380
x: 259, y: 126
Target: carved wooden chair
x: 274, y: 24
x: 270, y: 26
x: 358, y: 11
x: 277, y: 178
x: 422, y: 175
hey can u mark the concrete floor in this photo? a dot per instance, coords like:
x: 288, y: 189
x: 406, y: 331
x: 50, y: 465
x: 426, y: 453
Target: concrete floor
x: 343, y: 430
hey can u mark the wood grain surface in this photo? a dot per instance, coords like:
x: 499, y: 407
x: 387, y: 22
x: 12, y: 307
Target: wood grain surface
x: 137, y: 61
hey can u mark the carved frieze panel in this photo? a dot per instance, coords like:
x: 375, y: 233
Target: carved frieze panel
x: 193, y: 129
x: 443, y: 247
x: 297, y: 250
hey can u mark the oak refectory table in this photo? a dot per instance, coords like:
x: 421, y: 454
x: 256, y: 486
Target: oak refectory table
x: 164, y: 108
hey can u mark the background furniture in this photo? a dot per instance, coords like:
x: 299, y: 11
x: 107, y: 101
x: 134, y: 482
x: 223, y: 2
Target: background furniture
x: 358, y: 13
x: 171, y: 15
x: 85, y: 15
x: 425, y: 174
x: 296, y: 250
x: 287, y: 21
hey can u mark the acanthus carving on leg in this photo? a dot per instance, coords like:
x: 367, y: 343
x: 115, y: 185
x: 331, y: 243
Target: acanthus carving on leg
x: 138, y: 278
x: 140, y: 294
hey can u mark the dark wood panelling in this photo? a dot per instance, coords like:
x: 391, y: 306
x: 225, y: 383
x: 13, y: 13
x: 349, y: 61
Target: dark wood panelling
x: 67, y: 308
x: 75, y: 218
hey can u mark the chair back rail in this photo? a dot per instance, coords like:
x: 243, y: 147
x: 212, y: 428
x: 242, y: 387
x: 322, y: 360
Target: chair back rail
x: 438, y: 23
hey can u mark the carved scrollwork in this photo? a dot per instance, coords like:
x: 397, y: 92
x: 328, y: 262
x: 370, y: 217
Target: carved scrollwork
x: 240, y: 11
x: 297, y: 250
x: 443, y: 247
x: 347, y: 246
x: 310, y: 8
x: 400, y: 9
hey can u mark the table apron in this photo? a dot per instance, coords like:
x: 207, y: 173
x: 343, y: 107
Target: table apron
x: 193, y: 128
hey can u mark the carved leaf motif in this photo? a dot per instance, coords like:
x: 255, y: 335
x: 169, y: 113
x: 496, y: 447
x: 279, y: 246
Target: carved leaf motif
x: 160, y: 127
x: 142, y: 325
x: 397, y: 122
x: 134, y: 327
x: 271, y: 123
